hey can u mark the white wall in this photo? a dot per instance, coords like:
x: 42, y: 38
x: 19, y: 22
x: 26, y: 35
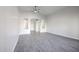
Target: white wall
x: 9, y: 27
x: 29, y: 16
x: 65, y: 22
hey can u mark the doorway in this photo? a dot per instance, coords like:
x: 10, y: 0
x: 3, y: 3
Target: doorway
x: 35, y: 26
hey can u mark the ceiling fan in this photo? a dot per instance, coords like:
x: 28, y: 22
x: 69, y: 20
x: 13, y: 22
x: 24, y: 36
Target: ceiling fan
x: 36, y: 9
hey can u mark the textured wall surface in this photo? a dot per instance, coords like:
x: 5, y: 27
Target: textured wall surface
x: 9, y: 27
x: 64, y: 22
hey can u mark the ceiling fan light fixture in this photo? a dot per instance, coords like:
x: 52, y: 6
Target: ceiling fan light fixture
x: 36, y: 9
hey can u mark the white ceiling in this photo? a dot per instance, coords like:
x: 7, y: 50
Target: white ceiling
x: 44, y: 10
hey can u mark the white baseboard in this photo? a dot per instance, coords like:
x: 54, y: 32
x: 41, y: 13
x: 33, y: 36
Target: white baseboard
x: 65, y: 36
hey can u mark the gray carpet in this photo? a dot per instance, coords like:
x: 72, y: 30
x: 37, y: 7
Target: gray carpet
x: 46, y: 42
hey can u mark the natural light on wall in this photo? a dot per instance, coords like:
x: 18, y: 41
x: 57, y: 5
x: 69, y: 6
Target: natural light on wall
x: 34, y: 25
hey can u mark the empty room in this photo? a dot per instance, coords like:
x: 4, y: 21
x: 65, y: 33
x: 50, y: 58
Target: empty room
x: 39, y: 28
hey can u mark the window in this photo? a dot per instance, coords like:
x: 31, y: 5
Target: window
x: 26, y: 23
